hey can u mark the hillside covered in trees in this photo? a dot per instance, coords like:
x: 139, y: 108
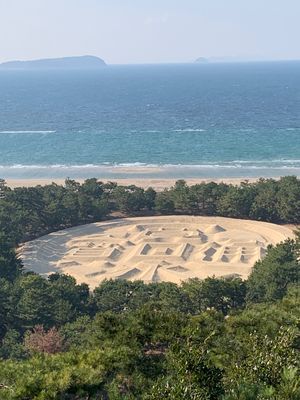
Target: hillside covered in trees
x: 224, y: 339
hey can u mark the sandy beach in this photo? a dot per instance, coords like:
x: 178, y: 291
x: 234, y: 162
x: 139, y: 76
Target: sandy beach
x: 154, y: 249
x: 157, y: 184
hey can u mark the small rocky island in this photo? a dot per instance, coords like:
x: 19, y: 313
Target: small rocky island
x: 67, y: 63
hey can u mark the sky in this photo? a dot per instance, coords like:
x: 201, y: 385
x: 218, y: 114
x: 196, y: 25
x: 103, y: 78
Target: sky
x: 150, y: 31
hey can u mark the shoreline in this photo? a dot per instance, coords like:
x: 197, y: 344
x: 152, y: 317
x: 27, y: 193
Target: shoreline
x: 157, y: 184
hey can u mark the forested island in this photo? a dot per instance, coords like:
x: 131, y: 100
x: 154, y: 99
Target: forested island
x: 65, y: 63
x: 209, y: 339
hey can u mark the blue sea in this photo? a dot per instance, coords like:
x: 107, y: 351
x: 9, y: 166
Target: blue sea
x: 158, y: 121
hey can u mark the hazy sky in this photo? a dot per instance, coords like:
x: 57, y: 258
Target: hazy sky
x: 150, y: 31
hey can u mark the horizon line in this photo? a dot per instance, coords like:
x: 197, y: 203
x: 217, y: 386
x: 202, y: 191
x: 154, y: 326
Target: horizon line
x: 206, y: 60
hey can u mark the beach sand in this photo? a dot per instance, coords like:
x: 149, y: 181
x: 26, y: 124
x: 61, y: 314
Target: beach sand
x: 157, y: 184
x: 154, y: 249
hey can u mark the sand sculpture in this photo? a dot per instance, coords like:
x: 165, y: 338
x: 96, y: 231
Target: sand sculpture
x: 154, y: 249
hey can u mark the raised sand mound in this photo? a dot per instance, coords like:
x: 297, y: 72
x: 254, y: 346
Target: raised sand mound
x: 154, y: 249
x: 215, y: 228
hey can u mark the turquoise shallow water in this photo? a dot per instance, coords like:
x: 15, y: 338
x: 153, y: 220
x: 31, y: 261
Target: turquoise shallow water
x: 214, y: 120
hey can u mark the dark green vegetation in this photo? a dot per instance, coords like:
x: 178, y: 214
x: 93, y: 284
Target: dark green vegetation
x: 214, y: 339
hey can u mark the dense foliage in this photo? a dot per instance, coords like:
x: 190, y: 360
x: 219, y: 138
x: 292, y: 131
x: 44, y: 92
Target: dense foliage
x: 26, y: 213
x: 224, y: 339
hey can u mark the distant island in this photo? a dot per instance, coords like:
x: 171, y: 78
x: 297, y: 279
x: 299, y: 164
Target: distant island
x: 205, y: 60
x: 225, y: 59
x: 202, y: 60
x: 81, y: 62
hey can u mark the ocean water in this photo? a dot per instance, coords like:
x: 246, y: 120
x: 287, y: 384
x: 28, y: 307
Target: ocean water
x: 210, y: 120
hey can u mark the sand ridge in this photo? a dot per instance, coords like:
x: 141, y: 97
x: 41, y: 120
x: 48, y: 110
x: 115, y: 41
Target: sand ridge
x: 154, y: 249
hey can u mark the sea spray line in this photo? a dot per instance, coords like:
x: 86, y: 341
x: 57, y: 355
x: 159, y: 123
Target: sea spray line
x: 106, y: 165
